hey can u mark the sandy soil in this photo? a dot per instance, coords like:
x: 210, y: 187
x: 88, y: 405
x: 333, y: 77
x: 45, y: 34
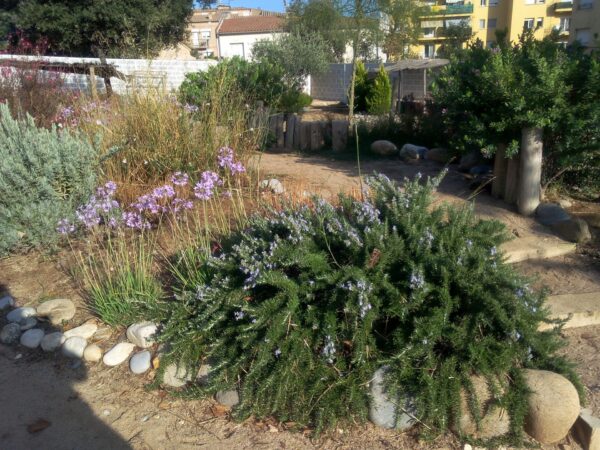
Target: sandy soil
x: 91, y: 406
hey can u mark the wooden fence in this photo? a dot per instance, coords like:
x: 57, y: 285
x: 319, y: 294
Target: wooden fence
x: 290, y: 131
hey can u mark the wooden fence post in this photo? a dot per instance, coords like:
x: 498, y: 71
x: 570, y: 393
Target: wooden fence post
x: 530, y: 174
x: 290, y: 126
x: 279, y: 130
x: 93, y: 88
x: 500, y: 166
x: 512, y: 180
x: 339, y: 135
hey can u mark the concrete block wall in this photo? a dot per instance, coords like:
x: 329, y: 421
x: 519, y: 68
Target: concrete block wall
x: 334, y: 85
x: 170, y: 72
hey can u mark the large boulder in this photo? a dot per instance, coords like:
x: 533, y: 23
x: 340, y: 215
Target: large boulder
x: 495, y: 420
x: 384, y: 148
x: 470, y: 160
x: 573, y: 230
x: 383, y: 410
x: 411, y: 152
x: 438, y: 154
x: 552, y: 408
x: 550, y: 213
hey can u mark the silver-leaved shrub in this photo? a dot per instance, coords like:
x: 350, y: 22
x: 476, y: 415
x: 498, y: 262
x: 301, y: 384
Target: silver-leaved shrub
x: 44, y: 175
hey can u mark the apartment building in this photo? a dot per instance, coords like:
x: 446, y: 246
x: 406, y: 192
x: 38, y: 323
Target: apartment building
x: 205, y: 23
x: 485, y: 17
x: 585, y: 23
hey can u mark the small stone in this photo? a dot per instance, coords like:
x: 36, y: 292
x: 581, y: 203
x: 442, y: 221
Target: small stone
x: 10, y: 333
x: 84, y: 331
x: 92, y: 353
x: 103, y: 334
x: 468, y: 447
x: 228, y: 398
x: 553, y: 406
x: 52, y: 341
x: 141, y: 334
x: 565, y: 203
x: 32, y: 338
x: 6, y: 302
x: 587, y: 430
x: 118, y: 354
x: 28, y: 323
x: 176, y: 376
x: 572, y: 230
x: 73, y: 347
x: 140, y: 362
x: 384, y: 148
x: 106, y: 412
x: 550, y: 213
x: 495, y: 421
x: 58, y: 310
x: 20, y: 314
x: 203, y: 373
x: 273, y: 185
x: 441, y: 155
x: 383, y: 410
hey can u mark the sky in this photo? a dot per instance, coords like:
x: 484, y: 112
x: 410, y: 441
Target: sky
x: 269, y: 5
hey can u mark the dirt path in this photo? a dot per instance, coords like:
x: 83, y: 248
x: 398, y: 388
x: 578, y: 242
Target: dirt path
x: 94, y: 407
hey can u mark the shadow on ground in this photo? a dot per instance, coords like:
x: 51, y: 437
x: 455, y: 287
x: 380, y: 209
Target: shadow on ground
x: 39, y: 407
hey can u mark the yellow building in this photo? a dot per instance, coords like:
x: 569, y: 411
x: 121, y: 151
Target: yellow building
x: 585, y: 23
x: 485, y: 17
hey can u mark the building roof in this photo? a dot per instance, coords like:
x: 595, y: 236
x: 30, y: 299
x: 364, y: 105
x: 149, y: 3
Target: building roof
x: 252, y: 24
x: 415, y: 64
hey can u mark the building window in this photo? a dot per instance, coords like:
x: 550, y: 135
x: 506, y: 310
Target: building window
x: 565, y: 24
x: 492, y: 23
x: 584, y: 36
x: 494, y: 2
x: 530, y: 2
x: 428, y: 32
x: 539, y: 23
x: 586, y: 4
x: 528, y: 24
x: 481, y: 24
x: 483, y: 3
x: 429, y: 51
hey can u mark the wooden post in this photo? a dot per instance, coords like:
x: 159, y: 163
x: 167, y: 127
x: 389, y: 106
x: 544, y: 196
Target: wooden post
x: 279, y: 130
x: 339, y: 135
x: 500, y: 166
x: 317, y: 133
x: 512, y: 180
x: 93, y: 88
x: 304, y: 136
x: 530, y: 176
x: 297, y: 133
x: 290, y: 127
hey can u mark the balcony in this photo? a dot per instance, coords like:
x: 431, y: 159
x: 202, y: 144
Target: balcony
x: 562, y: 7
x: 201, y: 44
x: 449, y: 10
x: 443, y: 33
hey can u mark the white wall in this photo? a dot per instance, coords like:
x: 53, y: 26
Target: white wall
x: 171, y: 71
x: 229, y: 44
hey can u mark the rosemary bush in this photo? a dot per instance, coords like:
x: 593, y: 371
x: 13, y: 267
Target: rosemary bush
x: 301, y: 306
x: 44, y: 175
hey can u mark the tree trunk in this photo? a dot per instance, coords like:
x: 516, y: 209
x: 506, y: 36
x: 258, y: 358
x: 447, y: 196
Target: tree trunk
x: 512, y: 180
x: 528, y: 197
x: 500, y: 166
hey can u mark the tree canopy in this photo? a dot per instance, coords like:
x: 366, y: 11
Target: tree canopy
x: 124, y: 28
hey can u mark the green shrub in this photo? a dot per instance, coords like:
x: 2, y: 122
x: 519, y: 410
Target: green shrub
x: 379, y: 100
x: 45, y: 174
x: 294, y: 101
x: 362, y: 87
x: 299, y: 308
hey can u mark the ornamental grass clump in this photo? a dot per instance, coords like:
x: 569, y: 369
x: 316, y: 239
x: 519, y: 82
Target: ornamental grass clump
x: 44, y: 175
x: 300, y: 307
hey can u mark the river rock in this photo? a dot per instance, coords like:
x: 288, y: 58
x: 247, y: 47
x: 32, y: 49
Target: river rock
x: 52, y: 341
x: 6, y: 301
x: 573, y: 230
x: 553, y: 406
x: 118, y: 354
x: 74, y: 347
x: 550, y: 213
x: 84, y: 331
x: 439, y: 154
x: 20, y: 314
x: 28, y: 323
x: 57, y: 310
x: 92, y: 353
x: 140, y: 362
x: 412, y: 152
x: 383, y: 410
x: 273, y: 185
x: 495, y: 420
x: 141, y: 334
x: 384, y: 148
x: 228, y: 398
x: 176, y: 376
x: 10, y: 333
x: 32, y: 338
